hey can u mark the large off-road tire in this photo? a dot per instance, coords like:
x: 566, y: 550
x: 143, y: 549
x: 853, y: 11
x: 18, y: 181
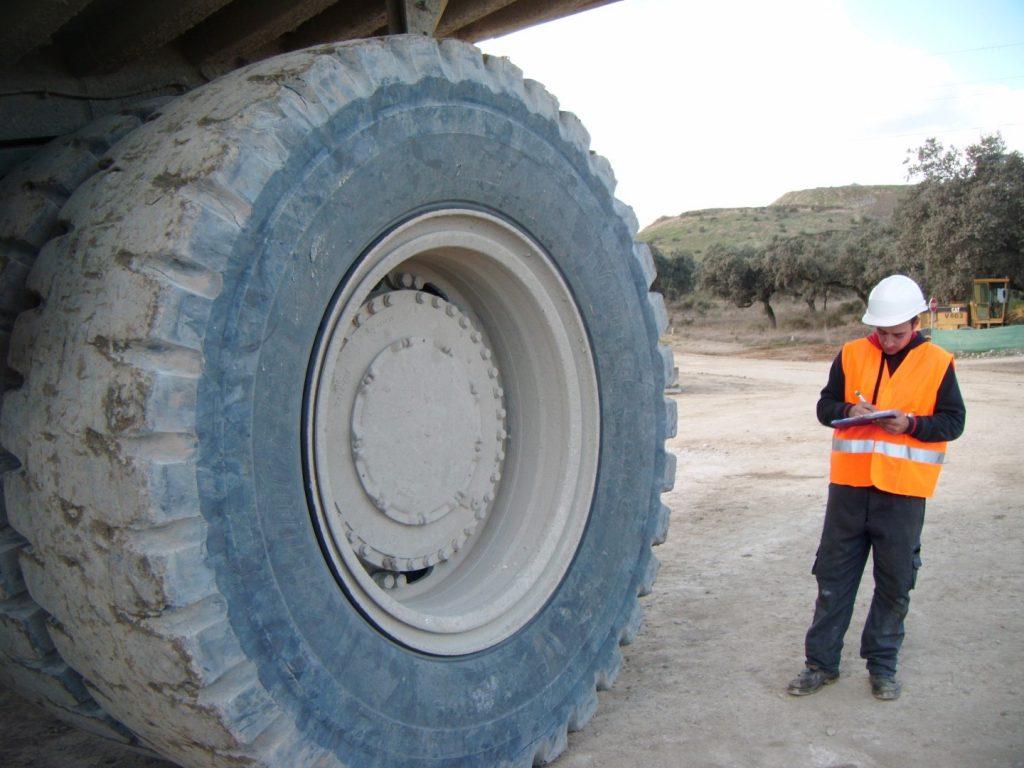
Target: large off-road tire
x: 31, y: 197
x: 341, y: 431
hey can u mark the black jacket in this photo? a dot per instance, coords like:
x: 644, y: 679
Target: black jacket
x: 947, y: 423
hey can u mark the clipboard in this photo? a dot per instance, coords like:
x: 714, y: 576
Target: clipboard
x: 856, y: 421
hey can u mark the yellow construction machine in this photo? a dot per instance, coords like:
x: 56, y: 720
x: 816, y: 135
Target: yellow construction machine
x: 987, y: 307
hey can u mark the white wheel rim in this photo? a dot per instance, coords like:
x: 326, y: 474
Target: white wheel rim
x: 477, y: 476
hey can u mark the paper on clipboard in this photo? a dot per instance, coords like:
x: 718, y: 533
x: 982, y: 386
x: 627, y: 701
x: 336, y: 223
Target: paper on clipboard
x: 856, y: 421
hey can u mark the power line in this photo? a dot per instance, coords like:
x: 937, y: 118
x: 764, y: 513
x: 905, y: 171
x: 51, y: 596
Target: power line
x: 885, y: 136
x: 958, y: 96
x: 982, y: 48
x: 975, y: 82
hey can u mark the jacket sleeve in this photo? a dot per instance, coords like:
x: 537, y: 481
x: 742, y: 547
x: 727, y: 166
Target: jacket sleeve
x: 947, y: 423
x: 832, y: 402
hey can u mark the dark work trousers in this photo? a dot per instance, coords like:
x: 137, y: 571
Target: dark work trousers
x: 858, y: 520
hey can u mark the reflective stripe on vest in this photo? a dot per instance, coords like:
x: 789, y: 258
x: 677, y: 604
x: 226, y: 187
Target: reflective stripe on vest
x: 889, y: 449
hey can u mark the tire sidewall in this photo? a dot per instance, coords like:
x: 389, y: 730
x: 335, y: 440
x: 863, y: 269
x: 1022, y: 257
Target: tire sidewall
x: 375, y: 164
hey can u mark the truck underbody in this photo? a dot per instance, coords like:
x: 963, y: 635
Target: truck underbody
x: 64, y: 63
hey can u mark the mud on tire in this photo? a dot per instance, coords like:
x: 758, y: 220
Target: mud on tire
x: 31, y: 198
x: 165, y: 429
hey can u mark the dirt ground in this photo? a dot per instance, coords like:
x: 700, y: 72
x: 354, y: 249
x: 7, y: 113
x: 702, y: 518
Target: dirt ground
x: 703, y: 685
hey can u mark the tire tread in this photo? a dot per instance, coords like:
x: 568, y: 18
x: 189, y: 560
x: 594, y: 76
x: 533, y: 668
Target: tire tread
x: 33, y: 195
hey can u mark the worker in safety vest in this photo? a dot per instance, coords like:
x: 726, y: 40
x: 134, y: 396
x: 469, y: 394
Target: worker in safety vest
x: 882, y: 471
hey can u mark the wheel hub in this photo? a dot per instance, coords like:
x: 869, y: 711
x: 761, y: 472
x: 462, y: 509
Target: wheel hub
x: 427, y: 430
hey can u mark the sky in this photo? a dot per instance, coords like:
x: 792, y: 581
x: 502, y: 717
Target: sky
x: 735, y: 102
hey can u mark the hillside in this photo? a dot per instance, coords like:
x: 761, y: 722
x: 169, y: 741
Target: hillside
x: 878, y: 201
x: 807, y: 211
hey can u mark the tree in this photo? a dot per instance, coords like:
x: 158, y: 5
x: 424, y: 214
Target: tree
x: 677, y: 273
x: 740, y: 274
x: 858, y: 259
x: 966, y: 217
x: 795, y: 268
x: 809, y: 266
x: 936, y: 163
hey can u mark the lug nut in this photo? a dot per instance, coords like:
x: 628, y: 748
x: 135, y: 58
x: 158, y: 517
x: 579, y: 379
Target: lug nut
x: 385, y: 580
x: 389, y: 579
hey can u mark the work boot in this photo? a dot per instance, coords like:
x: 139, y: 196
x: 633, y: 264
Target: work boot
x: 885, y: 687
x: 811, y: 680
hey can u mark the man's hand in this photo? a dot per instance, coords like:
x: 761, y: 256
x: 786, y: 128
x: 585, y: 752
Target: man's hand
x: 895, y: 425
x: 861, y: 409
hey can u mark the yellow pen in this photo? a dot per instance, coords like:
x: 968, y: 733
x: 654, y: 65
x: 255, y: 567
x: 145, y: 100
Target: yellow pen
x: 860, y: 397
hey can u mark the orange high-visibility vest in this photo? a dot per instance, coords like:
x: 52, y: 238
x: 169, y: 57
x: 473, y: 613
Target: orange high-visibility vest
x: 868, y: 455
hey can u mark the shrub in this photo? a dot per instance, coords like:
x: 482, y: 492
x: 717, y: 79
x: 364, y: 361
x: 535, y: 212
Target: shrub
x: 836, y: 317
x: 798, y: 323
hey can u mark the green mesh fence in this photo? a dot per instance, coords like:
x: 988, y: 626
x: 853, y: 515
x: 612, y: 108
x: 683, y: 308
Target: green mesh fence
x: 980, y: 340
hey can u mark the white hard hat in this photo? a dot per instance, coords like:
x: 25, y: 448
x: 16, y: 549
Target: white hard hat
x: 894, y: 300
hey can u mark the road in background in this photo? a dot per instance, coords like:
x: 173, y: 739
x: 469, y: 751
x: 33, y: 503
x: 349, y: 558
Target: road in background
x: 703, y: 686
